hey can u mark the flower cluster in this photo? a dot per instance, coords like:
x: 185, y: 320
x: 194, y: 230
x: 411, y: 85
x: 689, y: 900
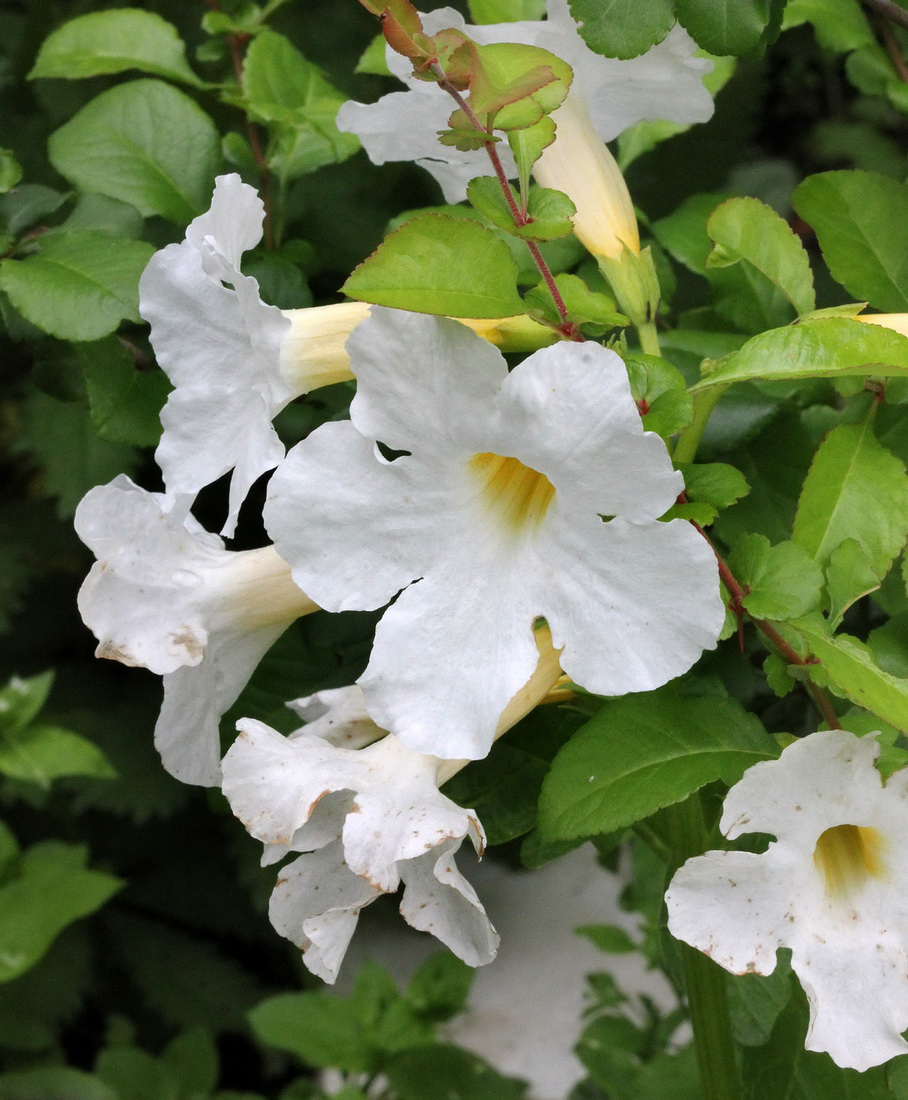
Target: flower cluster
x: 514, y: 535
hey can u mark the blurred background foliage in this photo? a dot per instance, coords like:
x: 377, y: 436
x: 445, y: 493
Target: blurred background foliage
x: 133, y: 937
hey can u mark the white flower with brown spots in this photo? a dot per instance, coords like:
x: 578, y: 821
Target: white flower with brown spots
x: 492, y: 518
x: 165, y: 595
x: 831, y: 887
x: 366, y: 820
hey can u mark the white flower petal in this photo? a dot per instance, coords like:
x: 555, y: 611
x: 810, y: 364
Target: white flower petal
x: 832, y: 888
x: 569, y: 414
x: 407, y: 395
x: 439, y: 900
x: 633, y: 606
x: 233, y: 223
x: 355, y: 527
x: 339, y: 716
x: 316, y: 905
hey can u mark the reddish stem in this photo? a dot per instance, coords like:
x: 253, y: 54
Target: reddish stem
x: 566, y: 328
x: 236, y: 44
x: 769, y: 632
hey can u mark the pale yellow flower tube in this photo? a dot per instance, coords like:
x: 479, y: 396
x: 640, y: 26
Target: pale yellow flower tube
x: 898, y: 322
x: 312, y: 354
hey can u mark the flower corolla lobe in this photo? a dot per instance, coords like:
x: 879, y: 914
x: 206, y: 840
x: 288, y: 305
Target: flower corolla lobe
x: 490, y: 521
x: 830, y: 887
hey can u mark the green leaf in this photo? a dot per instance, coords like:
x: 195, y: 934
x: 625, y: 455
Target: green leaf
x: 528, y: 145
x: 550, y: 212
x: 840, y: 25
x: 683, y: 233
x: 861, y: 222
x: 192, y: 1059
x: 784, y: 582
x: 854, y: 674
x: 660, y: 393
x: 584, y: 306
x: 515, y: 85
x: 286, y: 91
x: 730, y: 26
x: 505, y: 11
x: 125, y: 402
x: 417, y: 1074
x: 716, y: 483
x: 608, y: 937
x: 829, y: 347
x: 855, y: 489
x: 889, y: 645
x: 53, y: 889
x: 10, y: 171
x: 111, y: 42
x: 79, y: 286
x: 41, y: 754
x: 144, y: 143
x: 644, y: 752
x: 22, y: 699
x: 136, y: 1075
x: 440, y: 987
x: 756, y: 1001
x: 54, y: 1083
x: 436, y: 264
x: 321, y: 1030
x: 623, y: 28
x: 748, y: 231
x: 849, y: 576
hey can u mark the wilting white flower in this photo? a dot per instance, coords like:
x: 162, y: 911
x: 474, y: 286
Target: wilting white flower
x: 366, y: 820
x: 235, y: 362
x: 832, y: 887
x: 165, y: 595
x: 495, y: 513
x: 607, y: 96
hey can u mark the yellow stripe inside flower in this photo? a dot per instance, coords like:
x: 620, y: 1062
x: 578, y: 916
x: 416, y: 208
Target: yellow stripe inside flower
x: 517, y: 495
x: 846, y: 856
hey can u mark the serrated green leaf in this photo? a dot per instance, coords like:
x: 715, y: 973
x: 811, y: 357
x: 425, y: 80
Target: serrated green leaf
x: 730, y: 26
x: 584, y: 306
x: 854, y: 674
x: 861, y: 222
x: 442, y: 265
x: 528, y: 145
x: 53, y: 889
x: 550, y: 212
x: 855, y: 489
x: 644, y: 752
x: 623, y: 28
x: 79, y: 286
x: 784, y: 582
x: 829, y: 347
x: 660, y: 393
x: 748, y: 231
x: 125, y: 402
x: 111, y: 42
x: 717, y: 483
x: 683, y: 233
x: 282, y: 88
x: 849, y: 576
x: 144, y: 143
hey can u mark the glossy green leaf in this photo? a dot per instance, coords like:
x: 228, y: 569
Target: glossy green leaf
x: 643, y: 752
x: 53, y: 889
x: 854, y: 673
x: 112, y: 41
x: 289, y: 93
x: 79, y: 286
x: 855, y: 489
x: 125, y: 401
x: 144, y: 143
x: 623, y: 28
x: 748, y: 231
x: 550, y: 212
x: 442, y: 265
x: 516, y: 85
x: 730, y: 26
x: 861, y: 222
x: 584, y: 306
x: 660, y: 393
x: 784, y: 582
x: 829, y: 347
x: 849, y: 576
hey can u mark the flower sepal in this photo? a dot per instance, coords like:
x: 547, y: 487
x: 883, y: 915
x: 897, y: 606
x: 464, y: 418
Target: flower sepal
x: 634, y: 282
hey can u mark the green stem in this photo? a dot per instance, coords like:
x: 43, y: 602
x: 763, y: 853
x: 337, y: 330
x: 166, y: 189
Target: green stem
x: 649, y: 339
x: 704, y: 980
x: 689, y: 440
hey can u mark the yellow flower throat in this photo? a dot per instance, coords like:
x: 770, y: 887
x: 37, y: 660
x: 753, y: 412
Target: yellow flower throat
x: 517, y: 495
x: 847, y: 855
